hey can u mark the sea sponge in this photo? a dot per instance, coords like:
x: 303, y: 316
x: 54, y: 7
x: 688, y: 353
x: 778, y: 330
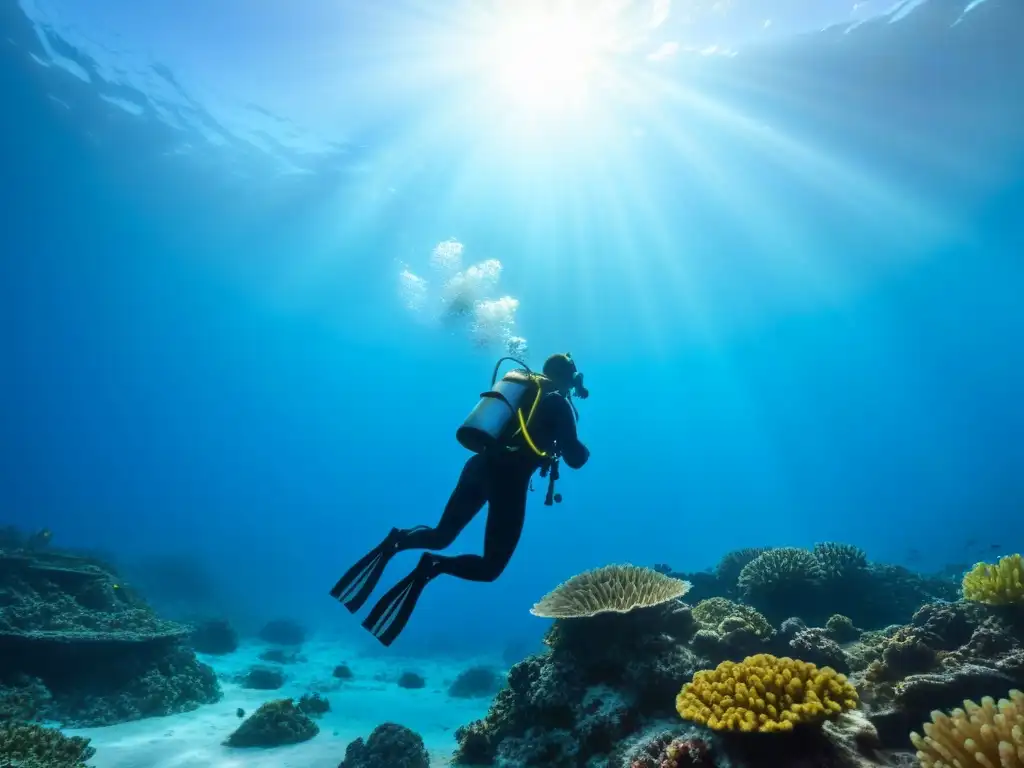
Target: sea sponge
x: 986, y: 735
x: 764, y: 694
x: 612, y: 588
x: 999, y: 584
x: 713, y: 612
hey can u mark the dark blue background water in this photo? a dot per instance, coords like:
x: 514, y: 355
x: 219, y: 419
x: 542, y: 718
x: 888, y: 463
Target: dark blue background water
x: 191, y: 362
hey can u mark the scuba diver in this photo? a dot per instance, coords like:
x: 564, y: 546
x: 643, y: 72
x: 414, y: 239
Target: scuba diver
x: 524, y: 423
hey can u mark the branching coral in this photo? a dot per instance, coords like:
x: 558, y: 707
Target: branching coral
x: 999, y: 584
x: 986, y: 735
x: 840, y: 561
x: 27, y: 745
x: 785, y: 567
x: 765, y: 694
x: 732, y: 563
x: 613, y: 588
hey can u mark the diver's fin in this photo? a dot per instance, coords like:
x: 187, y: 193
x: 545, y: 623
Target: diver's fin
x: 359, y: 581
x: 389, y: 616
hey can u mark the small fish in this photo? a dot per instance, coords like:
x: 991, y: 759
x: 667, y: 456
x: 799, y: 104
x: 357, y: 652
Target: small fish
x: 995, y: 546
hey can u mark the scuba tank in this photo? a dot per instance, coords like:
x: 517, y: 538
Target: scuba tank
x: 499, y: 413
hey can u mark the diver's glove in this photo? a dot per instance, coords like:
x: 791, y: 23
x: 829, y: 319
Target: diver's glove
x: 577, y: 384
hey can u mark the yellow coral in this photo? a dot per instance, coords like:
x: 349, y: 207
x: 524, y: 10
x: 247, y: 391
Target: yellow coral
x: 986, y: 735
x: 997, y: 584
x: 764, y: 693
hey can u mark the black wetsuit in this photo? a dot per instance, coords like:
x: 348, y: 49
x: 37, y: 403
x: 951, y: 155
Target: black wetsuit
x: 502, y: 481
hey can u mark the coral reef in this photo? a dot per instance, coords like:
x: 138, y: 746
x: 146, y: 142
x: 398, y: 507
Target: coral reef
x: 602, y: 693
x: 313, y: 704
x: 388, y: 746
x: 983, y: 735
x: 780, y: 582
x: 948, y: 653
x: 717, y: 611
x: 475, y: 682
x: 764, y: 694
x: 732, y: 564
x: 609, y: 589
x: 80, y: 648
x: 274, y: 724
x: 283, y: 632
x: 33, y: 746
x: 999, y: 584
x: 601, y: 677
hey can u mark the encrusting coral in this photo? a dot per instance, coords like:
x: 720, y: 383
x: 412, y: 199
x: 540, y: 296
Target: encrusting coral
x: 986, y: 735
x: 713, y: 612
x: 765, y: 694
x: 999, y: 584
x: 612, y: 588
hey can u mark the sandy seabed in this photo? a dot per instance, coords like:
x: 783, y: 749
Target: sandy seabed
x: 195, y: 739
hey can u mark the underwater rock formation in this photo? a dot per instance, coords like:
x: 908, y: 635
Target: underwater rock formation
x: 411, y: 680
x: 215, y: 637
x: 283, y: 632
x: 475, y: 682
x: 343, y: 672
x: 80, y: 648
x: 949, y: 652
x: 388, y: 746
x: 261, y: 678
x: 274, y: 724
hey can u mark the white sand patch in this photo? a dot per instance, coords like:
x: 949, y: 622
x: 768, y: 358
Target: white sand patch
x: 195, y: 739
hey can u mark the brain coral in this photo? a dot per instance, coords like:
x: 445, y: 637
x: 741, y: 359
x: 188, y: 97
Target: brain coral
x: 613, y: 588
x: 764, y: 694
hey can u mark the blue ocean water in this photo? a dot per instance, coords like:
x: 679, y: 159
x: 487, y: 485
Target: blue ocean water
x: 785, y: 249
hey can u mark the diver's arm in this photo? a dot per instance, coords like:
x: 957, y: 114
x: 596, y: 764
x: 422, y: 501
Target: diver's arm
x: 573, y: 451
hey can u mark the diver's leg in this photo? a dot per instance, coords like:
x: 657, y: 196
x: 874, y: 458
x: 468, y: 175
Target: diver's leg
x: 466, y: 501
x: 506, y: 514
x: 504, y: 525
